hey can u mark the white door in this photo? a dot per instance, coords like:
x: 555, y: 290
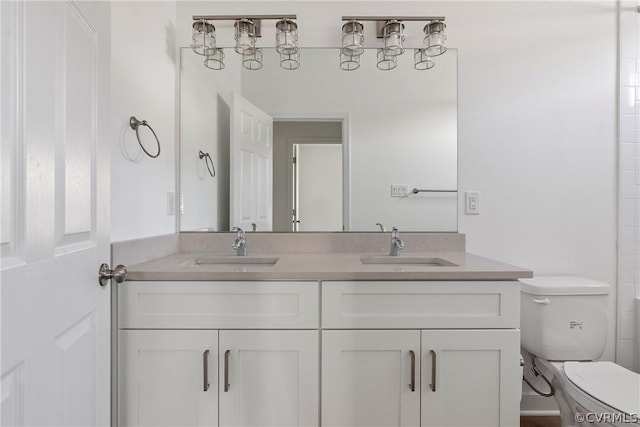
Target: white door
x: 318, y: 187
x: 251, y: 176
x: 55, y: 213
x: 168, y: 378
x: 370, y: 378
x: 470, y: 378
x: 268, y: 378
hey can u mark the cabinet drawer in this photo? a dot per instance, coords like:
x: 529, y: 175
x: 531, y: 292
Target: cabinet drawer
x: 218, y: 305
x: 425, y: 304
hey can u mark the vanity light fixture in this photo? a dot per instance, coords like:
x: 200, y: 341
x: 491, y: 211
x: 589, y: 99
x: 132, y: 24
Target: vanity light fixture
x: 391, y: 30
x: 203, y: 36
x: 349, y: 62
x: 290, y: 61
x: 247, y: 31
x: 214, y: 59
x: 252, y: 60
x: 393, y: 35
x: 286, y: 37
x: 352, y: 39
x: 245, y: 36
x: 435, y: 38
x: 422, y: 60
x: 386, y: 62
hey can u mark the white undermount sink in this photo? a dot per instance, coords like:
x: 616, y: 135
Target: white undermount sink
x: 237, y: 260
x: 400, y: 260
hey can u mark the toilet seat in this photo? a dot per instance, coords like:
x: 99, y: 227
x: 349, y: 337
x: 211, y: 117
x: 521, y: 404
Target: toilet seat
x: 608, y: 383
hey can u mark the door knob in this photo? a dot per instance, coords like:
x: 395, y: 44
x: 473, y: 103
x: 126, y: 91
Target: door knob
x: 119, y: 274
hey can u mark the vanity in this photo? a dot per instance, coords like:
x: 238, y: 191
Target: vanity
x: 309, y: 336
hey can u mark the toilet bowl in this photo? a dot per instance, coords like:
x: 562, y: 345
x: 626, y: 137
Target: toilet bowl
x: 595, y: 393
x: 564, y: 326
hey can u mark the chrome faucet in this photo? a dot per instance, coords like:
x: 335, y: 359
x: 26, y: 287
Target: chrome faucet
x: 396, y: 244
x: 382, y: 229
x: 240, y: 244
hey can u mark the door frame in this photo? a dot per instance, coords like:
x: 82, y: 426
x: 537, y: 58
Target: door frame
x: 345, y: 119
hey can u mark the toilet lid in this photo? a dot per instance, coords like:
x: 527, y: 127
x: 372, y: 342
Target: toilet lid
x: 607, y: 382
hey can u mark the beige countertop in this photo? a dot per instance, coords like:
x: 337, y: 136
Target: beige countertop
x: 326, y: 266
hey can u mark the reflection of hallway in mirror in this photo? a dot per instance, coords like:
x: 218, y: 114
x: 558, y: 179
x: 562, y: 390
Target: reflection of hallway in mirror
x: 317, y: 180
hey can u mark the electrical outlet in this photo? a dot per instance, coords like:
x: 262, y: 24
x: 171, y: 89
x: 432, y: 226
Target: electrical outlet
x: 399, y: 190
x: 171, y: 203
x: 472, y: 203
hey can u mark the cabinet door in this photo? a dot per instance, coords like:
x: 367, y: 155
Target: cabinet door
x: 470, y: 378
x: 168, y: 378
x: 370, y: 378
x: 268, y: 378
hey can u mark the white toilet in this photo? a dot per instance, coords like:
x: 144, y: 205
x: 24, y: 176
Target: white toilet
x: 564, y: 321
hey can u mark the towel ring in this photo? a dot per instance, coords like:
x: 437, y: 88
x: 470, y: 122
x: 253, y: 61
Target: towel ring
x: 208, y: 161
x: 135, y: 125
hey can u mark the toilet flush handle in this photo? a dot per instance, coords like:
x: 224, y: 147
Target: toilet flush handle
x: 543, y: 301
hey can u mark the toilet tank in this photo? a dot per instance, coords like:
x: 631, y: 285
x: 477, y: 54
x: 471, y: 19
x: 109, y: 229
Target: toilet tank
x: 564, y: 317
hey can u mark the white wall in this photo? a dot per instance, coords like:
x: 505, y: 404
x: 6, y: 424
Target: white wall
x: 143, y: 73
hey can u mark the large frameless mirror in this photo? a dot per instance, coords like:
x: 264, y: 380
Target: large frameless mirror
x: 325, y: 149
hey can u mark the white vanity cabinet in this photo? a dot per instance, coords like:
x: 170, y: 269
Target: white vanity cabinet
x: 256, y: 343
x: 268, y: 378
x: 457, y: 347
x: 470, y: 378
x: 370, y: 378
x: 168, y: 378
x: 309, y: 353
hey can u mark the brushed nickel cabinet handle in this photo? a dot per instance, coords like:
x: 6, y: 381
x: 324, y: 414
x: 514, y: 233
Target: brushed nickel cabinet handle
x: 433, y: 371
x: 205, y: 370
x: 412, y: 385
x: 227, y: 386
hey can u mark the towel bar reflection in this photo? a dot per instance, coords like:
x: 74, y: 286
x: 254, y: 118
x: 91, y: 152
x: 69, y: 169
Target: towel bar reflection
x: 135, y: 125
x: 209, y: 162
x: 417, y: 190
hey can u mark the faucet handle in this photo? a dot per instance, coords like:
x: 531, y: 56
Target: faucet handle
x: 395, y: 233
x: 382, y: 229
x: 240, y: 232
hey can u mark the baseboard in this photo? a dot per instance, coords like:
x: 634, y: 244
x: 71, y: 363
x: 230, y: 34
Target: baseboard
x: 535, y: 405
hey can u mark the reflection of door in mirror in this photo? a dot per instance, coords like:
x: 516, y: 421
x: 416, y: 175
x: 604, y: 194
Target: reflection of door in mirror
x: 251, y: 166
x: 317, y: 187
x: 321, y: 192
